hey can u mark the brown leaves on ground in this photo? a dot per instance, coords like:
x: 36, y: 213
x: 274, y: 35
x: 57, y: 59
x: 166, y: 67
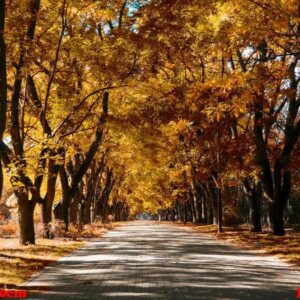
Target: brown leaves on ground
x: 19, y: 263
x: 285, y: 247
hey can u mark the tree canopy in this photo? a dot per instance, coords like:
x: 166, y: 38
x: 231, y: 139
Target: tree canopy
x: 168, y: 107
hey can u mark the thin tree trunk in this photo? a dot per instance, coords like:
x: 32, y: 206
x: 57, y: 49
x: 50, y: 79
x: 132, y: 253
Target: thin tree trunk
x: 197, y: 206
x: 192, y: 206
x: 213, y: 203
x: 48, y: 200
x: 220, y: 210
x: 66, y: 199
x: 254, y: 196
x: 185, y: 212
x: 204, y: 209
x: 26, y: 221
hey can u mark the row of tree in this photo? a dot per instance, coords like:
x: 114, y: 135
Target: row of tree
x: 223, y: 91
x: 204, y: 109
x: 57, y: 72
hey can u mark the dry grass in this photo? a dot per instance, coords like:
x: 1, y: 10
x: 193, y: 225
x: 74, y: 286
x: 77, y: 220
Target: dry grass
x: 285, y: 247
x: 9, y: 229
x: 77, y: 232
x: 19, y: 263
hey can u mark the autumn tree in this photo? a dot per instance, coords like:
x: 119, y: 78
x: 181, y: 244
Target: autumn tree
x: 3, y: 81
x: 57, y: 81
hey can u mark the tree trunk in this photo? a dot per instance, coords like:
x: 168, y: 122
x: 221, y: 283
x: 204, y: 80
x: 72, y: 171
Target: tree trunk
x: 117, y: 211
x: 74, y: 207
x: 179, y: 212
x: 46, y: 219
x: 26, y: 222
x: 87, y: 211
x: 220, y: 210
x: 125, y: 212
x: 76, y: 195
x: 105, y: 211
x: 213, y: 202
x: 276, y: 218
x: 255, y: 214
x: 197, y: 200
x: 102, y: 201
x: 211, y: 217
x: 185, y: 212
x: 89, y: 182
x: 66, y: 199
x: 255, y: 197
x: 47, y: 203
x: 205, y: 212
x: 167, y: 214
x: 172, y: 214
x: 198, y: 209
x: 192, y: 207
x: 26, y: 207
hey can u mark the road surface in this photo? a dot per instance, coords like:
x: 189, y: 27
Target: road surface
x: 149, y: 260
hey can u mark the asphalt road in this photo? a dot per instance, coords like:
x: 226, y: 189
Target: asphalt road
x: 149, y: 260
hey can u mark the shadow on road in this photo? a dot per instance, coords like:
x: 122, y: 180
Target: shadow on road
x: 160, y: 261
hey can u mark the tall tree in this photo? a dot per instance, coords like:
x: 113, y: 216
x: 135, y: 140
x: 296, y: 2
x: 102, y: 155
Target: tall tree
x: 3, y: 81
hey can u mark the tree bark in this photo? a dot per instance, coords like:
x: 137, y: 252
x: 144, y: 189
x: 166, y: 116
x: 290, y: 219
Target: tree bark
x: 198, y: 201
x: 77, y: 197
x: 213, y: 202
x: 254, y: 196
x: 255, y: 214
x: 104, y: 198
x: 192, y: 206
x: 47, y: 203
x: 220, y: 210
x: 185, y: 212
x: 92, y: 180
x: 26, y: 221
x: 204, y: 209
x: 276, y: 221
x: 66, y: 197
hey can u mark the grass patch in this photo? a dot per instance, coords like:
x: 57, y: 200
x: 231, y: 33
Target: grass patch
x: 19, y: 263
x: 285, y: 247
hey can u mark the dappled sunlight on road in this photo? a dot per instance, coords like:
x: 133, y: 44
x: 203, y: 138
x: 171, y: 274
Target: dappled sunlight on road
x: 160, y: 261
